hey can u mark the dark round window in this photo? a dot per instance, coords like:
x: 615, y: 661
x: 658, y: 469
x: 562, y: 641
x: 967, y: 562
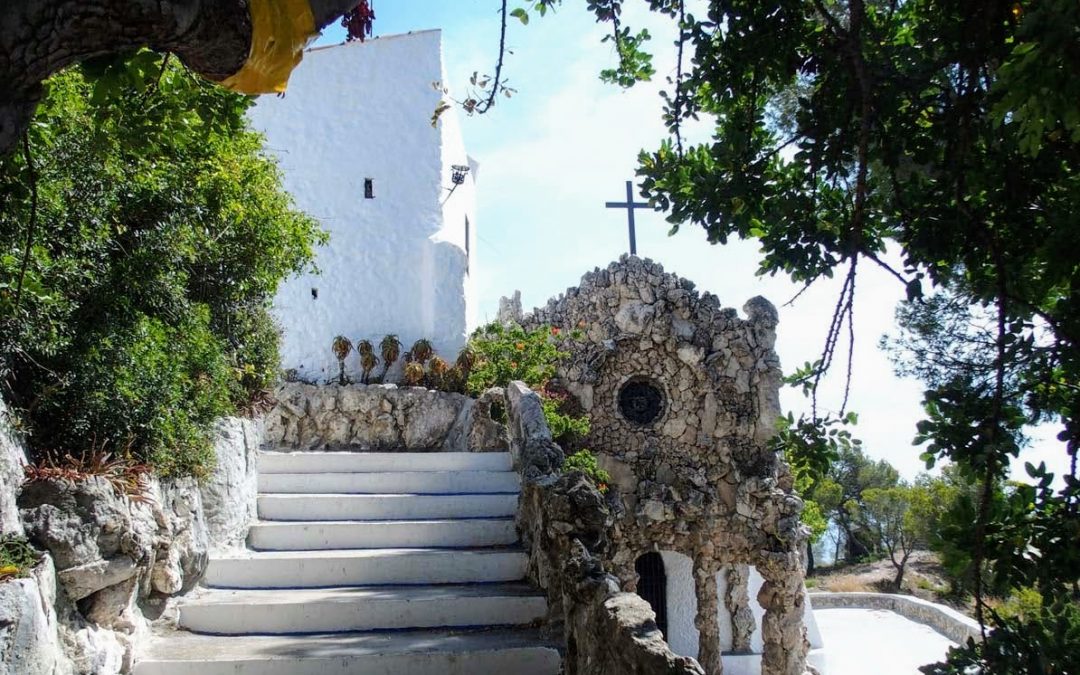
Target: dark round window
x: 641, y: 401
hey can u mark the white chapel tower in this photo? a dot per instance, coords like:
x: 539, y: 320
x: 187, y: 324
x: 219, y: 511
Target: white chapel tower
x: 355, y: 141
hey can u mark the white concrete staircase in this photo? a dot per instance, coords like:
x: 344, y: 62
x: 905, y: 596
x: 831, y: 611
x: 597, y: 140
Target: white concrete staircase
x: 372, y: 563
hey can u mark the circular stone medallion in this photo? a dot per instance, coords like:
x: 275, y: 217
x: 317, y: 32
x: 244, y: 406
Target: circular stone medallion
x: 641, y: 401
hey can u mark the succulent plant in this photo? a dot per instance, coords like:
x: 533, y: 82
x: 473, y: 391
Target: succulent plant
x: 342, y: 346
x: 466, y: 359
x: 414, y: 374
x: 368, y: 360
x: 390, y: 347
x: 438, y: 367
x: 438, y: 373
x: 422, y: 350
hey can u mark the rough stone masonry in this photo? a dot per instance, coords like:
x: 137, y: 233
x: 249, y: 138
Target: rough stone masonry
x: 684, y: 396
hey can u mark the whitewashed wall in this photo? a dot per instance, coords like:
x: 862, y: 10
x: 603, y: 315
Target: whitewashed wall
x: 396, y: 263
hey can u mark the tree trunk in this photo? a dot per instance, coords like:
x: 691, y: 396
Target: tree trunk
x: 809, y: 558
x: 40, y: 37
x: 900, y: 567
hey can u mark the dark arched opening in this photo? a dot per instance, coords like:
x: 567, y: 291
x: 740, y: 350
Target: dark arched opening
x: 652, y: 586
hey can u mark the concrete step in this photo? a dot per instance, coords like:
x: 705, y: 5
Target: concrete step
x: 341, y: 610
x: 407, y: 482
x: 521, y: 652
x: 327, y: 569
x: 363, y: 462
x: 311, y: 536
x: 384, y: 506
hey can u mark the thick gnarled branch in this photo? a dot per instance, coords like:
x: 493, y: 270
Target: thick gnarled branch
x: 40, y: 37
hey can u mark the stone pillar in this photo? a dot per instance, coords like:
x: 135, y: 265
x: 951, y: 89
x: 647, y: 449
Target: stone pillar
x: 707, y: 621
x: 737, y: 601
x: 782, y: 628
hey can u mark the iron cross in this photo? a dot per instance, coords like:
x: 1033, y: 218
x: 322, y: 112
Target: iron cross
x: 630, y: 205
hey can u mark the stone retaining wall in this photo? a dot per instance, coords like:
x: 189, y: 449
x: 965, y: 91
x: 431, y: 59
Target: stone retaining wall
x: 563, y: 521
x: 945, y: 620
x: 381, y: 417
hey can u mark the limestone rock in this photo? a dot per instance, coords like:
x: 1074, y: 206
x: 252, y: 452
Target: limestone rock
x: 12, y: 460
x: 229, y: 495
x: 510, y: 309
x: 95, y: 539
x: 29, y: 639
x: 634, y: 317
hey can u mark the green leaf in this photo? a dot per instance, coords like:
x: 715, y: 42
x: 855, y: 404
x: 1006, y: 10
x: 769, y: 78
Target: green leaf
x: 521, y: 15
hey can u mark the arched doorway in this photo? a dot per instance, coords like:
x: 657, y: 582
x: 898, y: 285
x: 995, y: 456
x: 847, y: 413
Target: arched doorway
x: 652, y: 586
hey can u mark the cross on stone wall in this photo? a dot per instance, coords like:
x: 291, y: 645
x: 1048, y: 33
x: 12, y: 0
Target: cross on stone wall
x: 630, y: 205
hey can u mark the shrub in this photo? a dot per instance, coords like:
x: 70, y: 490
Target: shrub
x: 390, y: 348
x: 585, y: 461
x: 501, y: 354
x: 162, y: 232
x: 507, y: 353
x: 414, y: 374
x: 368, y: 360
x: 1023, y: 604
x: 342, y: 347
x: 422, y: 351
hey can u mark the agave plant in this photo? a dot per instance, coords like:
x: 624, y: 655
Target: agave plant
x: 466, y: 359
x: 422, y: 351
x: 390, y: 346
x: 438, y: 370
x: 414, y: 374
x: 368, y: 360
x: 342, y: 346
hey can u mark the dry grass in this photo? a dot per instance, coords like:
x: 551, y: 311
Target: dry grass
x: 846, y: 583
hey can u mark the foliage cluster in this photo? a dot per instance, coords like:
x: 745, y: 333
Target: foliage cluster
x: 17, y: 557
x: 126, y: 476
x: 506, y: 353
x: 142, y: 235
x: 584, y: 460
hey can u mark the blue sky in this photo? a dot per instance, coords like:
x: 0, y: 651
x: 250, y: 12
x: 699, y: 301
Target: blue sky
x: 565, y: 143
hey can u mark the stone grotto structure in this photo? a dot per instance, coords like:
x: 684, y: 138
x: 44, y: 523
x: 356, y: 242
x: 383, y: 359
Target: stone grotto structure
x: 683, y: 395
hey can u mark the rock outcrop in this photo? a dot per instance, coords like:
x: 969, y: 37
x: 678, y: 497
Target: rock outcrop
x: 112, y: 560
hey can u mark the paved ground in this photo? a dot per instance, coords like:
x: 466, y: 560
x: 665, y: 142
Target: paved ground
x: 876, y: 642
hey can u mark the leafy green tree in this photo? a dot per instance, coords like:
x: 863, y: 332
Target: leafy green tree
x: 899, y: 519
x: 142, y: 235
x: 950, y: 131
x: 810, y: 445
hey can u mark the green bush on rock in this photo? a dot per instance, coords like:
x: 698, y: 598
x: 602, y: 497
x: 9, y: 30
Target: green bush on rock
x: 159, y: 232
x: 502, y: 354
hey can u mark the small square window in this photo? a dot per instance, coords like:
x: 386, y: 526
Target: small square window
x: 369, y: 188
